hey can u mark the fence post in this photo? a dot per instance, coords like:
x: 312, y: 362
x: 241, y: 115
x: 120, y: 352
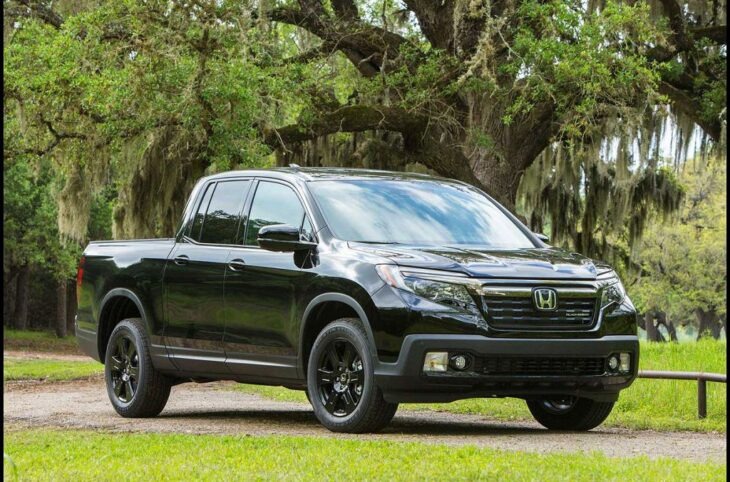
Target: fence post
x: 701, y: 398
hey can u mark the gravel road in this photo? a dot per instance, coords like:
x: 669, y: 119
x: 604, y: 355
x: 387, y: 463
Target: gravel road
x: 214, y: 408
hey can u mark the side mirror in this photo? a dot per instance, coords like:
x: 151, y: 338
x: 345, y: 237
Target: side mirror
x: 283, y: 238
x: 542, y: 237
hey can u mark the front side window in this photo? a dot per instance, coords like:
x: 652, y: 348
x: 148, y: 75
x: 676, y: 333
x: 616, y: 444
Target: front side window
x: 416, y: 213
x: 222, y: 214
x: 273, y: 203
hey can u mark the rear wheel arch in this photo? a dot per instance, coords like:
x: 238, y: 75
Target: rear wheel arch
x: 321, y: 311
x: 117, y: 305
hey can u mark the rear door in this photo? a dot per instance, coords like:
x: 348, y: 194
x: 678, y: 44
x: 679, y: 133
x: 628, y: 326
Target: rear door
x: 194, y: 277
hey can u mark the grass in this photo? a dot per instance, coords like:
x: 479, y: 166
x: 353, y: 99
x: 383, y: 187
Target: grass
x: 85, y: 455
x: 647, y: 404
x: 41, y: 341
x: 49, y: 369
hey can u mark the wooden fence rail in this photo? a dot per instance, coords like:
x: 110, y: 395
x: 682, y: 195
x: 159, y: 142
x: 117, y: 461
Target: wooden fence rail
x: 701, y: 377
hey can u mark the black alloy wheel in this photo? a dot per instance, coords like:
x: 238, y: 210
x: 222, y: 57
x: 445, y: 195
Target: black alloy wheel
x: 340, y: 377
x: 124, y: 369
x: 134, y: 386
x: 341, y: 380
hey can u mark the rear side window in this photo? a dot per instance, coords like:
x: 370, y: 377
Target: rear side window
x: 200, y: 214
x: 273, y: 203
x: 222, y: 212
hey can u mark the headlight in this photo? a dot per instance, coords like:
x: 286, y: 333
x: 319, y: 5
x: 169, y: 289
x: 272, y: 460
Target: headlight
x: 449, y: 290
x: 612, y: 292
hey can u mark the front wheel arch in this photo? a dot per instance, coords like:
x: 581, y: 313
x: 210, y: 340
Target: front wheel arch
x: 310, y: 324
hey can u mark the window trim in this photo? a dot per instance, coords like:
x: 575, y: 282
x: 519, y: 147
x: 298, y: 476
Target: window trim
x: 249, y: 205
x: 246, y: 211
x: 187, y: 232
x: 186, y: 235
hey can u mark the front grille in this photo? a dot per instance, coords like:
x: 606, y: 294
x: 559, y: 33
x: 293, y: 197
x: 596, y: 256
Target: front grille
x: 539, y: 366
x: 519, y: 312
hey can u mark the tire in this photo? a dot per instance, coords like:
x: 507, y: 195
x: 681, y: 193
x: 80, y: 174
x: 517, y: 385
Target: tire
x: 577, y: 414
x: 342, y: 356
x: 135, y: 388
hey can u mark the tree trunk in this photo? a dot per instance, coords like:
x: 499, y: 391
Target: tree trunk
x: 20, y: 315
x: 715, y: 327
x: 61, y: 309
x: 708, y: 321
x: 71, y: 305
x: 9, y: 286
x: 652, y: 334
x: 662, y: 320
x: 500, y: 180
x: 723, y: 320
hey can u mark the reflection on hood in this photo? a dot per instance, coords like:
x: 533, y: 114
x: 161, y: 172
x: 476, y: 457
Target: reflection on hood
x: 539, y: 263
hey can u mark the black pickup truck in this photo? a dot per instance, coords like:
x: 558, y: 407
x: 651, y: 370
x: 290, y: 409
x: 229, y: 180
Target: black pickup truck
x: 364, y: 288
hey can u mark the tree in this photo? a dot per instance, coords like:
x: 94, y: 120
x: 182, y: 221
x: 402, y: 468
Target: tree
x: 160, y: 92
x: 31, y: 237
x: 683, y: 272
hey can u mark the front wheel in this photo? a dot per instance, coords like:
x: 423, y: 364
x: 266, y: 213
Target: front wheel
x: 569, y: 413
x: 340, y: 381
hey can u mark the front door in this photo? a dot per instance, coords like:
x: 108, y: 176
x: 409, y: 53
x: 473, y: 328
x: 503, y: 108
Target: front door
x: 262, y: 288
x: 194, y: 278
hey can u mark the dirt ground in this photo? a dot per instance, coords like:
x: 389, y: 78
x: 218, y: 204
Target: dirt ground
x: 214, y: 408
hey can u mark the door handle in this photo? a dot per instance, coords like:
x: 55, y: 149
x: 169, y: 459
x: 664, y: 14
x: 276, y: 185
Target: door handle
x: 236, y: 264
x: 181, y: 260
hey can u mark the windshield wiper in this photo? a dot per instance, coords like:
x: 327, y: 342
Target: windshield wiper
x: 375, y: 242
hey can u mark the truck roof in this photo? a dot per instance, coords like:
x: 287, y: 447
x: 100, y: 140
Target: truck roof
x: 325, y: 173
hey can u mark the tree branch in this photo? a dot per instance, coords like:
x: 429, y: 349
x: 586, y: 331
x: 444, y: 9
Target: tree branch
x: 446, y: 159
x: 681, y: 90
x: 690, y: 107
x: 41, y: 10
x: 436, y: 20
x: 353, y: 118
x: 717, y: 33
x: 345, y: 10
x: 57, y: 138
x: 357, y: 40
x: 679, y: 37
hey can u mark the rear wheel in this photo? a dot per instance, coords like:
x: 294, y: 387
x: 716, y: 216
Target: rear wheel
x: 340, y: 381
x: 569, y: 413
x: 134, y: 387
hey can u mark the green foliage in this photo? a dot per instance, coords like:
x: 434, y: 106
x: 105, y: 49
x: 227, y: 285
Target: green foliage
x: 76, y: 455
x: 589, y: 63
x: 30, y: 220
x: 683, y: 262
x: 119, y: 79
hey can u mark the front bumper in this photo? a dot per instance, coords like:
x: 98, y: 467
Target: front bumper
x: 405, y: 381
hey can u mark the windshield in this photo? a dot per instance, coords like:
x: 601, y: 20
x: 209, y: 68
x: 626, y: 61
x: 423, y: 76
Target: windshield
x: 415, y: 212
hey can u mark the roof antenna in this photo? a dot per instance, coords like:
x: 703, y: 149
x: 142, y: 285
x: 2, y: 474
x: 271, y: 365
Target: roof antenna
x: 294, y: 166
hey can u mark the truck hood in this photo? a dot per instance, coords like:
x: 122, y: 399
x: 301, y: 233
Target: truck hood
x: 533, y: 263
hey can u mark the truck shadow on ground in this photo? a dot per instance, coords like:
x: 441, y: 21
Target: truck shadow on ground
x: 406, y: 423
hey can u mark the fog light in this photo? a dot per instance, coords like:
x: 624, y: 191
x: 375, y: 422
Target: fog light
x: 436, y: 361
x: 459, y: 362
x: 612, y: 363
x: 625, y: 366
